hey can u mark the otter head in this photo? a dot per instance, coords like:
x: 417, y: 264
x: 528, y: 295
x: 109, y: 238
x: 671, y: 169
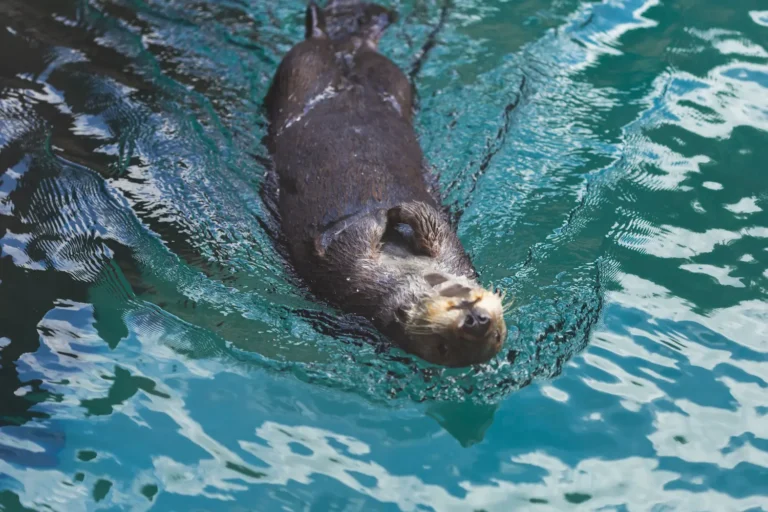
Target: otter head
x: 455, y: 323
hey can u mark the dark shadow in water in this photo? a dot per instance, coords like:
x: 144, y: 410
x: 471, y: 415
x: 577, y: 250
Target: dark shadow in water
x: 25, y: 295
x: 465, y: 421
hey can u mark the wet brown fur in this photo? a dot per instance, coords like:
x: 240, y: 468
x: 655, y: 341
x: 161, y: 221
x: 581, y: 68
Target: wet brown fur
x: 362, y: 225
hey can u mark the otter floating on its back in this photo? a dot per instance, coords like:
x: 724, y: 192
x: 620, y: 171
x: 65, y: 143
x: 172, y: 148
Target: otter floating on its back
x: 362, y: 226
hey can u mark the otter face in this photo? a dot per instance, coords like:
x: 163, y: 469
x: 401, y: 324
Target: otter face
x: 457, y: 324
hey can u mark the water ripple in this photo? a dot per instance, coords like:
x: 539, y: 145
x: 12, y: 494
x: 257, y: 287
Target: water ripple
x: 601, y: 158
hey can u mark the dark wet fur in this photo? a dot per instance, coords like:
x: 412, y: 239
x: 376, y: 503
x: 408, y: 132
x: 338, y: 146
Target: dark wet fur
x: 351, y: 180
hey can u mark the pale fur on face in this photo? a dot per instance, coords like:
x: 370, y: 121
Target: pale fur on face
x: 418, y: 285
x: 432, y: 305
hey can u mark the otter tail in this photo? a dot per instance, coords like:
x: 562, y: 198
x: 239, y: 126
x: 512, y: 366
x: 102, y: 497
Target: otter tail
x: 343, y: 19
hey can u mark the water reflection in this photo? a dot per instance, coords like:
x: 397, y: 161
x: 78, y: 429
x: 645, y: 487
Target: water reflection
x: 603, y: 159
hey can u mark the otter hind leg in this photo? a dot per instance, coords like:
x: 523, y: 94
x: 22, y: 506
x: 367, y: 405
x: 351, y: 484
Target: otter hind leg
x: 314, y: 22
x: 354, y: 18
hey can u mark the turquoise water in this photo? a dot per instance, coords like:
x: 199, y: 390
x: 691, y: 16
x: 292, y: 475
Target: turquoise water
x: 605, y: 161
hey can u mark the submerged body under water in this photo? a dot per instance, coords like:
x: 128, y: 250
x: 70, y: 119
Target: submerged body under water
x: 603, y: 162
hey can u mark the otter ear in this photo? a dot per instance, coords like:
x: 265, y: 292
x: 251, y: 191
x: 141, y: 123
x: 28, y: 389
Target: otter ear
x: 314, y: 22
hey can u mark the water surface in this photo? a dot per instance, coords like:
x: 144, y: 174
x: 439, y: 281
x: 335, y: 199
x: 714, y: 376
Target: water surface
x: 604, y: 161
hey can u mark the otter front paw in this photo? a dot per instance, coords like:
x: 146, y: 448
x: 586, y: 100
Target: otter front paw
x: 425, y: 223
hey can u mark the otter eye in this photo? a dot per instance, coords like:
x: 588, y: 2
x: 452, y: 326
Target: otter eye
x: 498, y: 336
x: 401, y: 314
x: 435, y: 279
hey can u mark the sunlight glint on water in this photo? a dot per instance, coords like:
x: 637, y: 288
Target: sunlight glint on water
x: 604, y: 161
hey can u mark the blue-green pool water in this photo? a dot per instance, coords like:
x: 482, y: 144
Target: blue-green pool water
x: 605, y: 161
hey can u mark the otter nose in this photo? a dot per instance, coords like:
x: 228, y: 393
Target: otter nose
x: 476, y: 322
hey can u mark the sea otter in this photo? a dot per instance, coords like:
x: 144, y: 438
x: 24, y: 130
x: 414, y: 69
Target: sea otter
x: 362, y: 225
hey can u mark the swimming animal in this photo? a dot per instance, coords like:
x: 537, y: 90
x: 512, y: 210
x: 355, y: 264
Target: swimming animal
x: 363, y: 226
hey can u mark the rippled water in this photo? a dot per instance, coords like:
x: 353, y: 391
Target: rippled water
x: 605, y: 162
